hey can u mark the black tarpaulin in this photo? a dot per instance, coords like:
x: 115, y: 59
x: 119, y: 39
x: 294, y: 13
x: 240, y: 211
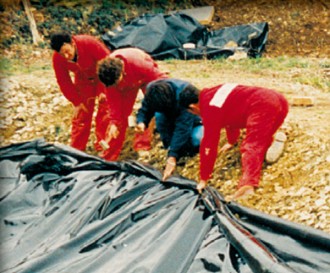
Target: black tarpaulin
x: 163, y: 37
x: 65, y: 211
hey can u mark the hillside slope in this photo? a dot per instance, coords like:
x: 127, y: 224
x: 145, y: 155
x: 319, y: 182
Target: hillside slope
x: 295, y: 27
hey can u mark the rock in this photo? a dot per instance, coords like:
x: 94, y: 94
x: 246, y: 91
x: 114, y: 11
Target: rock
x: 302, y: 101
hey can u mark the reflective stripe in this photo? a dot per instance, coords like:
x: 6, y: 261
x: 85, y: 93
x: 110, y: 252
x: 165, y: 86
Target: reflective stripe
x: 222, y: 93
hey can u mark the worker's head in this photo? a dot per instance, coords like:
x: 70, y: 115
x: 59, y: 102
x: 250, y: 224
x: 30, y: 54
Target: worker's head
x: 62, y: 43
x: 110, y: 70
x: 189, y: 99
x: 160, y: 96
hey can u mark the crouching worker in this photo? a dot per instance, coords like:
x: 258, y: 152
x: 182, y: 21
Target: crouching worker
x: 124, y: 72
x: 180, y: 131
x: 233, y: 107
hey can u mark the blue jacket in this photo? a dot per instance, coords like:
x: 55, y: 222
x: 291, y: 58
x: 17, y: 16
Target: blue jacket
x: 183, y: 120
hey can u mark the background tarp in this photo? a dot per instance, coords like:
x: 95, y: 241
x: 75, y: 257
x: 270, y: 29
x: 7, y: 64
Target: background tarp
x: 65, y: 211
x: 163, y: 36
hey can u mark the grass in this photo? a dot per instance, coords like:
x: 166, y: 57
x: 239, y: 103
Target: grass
x: 5, y: 65
x: 308, y: 71
x: 14, y: 66
x: 304, y: 70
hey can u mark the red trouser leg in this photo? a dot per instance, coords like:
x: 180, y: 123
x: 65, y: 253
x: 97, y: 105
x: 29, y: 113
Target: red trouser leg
x: 260, y: 128
x: 102, y: 121
x: 81, y: 126
x: 116, y: 144
x: 253, y: 149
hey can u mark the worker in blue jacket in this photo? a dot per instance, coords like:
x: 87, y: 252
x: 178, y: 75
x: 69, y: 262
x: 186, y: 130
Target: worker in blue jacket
x: 180, y: 130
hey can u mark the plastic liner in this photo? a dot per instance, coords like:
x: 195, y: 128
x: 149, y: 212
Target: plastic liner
x: 163, y: 37
x: 65, y: 211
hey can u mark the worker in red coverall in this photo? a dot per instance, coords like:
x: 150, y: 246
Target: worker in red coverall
x: 124, y: 72
x: 233, y: 107
x: 79, y: 54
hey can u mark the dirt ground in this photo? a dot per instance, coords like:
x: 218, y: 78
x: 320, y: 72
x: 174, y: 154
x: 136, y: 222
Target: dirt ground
x: 296, y: 188
x: 296, y: 28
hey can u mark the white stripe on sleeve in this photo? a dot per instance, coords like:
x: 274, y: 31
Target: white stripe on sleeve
x: 222, y: 93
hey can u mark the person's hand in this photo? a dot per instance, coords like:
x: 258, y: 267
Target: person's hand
x: 225, y: 148
x: 102, y: 97
x: 78, y: 108
x: 201, y: 186
x: 242, y: 193
x: 112, y: 132
x: 169, y: 168
x: 140, y: 127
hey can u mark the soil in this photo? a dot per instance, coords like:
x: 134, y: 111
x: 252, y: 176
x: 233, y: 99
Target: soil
x: 296, y: 28
x: 296, y: 187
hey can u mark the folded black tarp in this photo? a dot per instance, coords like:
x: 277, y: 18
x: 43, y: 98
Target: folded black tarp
x: 163, y: 36
x: 65, y: 211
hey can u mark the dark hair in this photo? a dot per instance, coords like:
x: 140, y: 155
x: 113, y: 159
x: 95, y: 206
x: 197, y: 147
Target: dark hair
x: 160, y: 96
x: 58, y: 39
x: 109, y: 70
x: 189, y: 95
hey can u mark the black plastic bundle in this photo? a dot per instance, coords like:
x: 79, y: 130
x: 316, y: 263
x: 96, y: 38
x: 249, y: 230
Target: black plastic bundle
x: 65, y: 211
x: 163, y: 37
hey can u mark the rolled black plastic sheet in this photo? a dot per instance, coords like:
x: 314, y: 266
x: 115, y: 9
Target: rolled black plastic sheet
x: 65, y: 211
x: 163, y: 36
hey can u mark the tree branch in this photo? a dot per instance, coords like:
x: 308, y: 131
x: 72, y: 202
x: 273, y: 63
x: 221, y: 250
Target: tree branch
x: 35, y: 34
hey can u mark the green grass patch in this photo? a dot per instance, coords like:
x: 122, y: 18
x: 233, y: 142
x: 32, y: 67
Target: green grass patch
x: 275, y: 64
x: 301, y: 70
x: 17, y: 66
x: 5, y: 64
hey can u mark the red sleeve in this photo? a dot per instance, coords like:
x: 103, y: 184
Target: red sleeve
x: 232, y: 135
x: 99, y: 50
x: 64, y: 80
x: 114, y: 99
x: 209, y: 146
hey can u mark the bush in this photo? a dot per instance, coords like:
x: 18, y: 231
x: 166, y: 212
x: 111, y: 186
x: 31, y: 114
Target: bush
x: 94, y: 17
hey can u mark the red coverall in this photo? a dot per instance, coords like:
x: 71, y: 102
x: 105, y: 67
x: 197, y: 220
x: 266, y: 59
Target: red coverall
x: 261, y: 111
x: 139, y: 70
x: 84, y: 89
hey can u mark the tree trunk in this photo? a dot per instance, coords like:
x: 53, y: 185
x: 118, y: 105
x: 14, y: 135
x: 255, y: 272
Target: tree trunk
x: 35, y: 34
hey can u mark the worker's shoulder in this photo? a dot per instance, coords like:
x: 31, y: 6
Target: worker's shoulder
x: 82, y: 38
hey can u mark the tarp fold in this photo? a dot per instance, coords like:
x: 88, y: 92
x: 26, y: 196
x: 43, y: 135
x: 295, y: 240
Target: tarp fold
x: 163, y: 36
x: 65, y: 211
